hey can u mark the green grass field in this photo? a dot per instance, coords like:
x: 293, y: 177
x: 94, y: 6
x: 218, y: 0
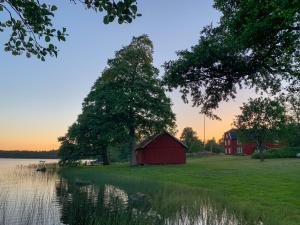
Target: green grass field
x: 270, y: 190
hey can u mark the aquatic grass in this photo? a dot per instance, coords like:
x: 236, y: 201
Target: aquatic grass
x: 26, y: 197
x: 254, y: 191
x: 206, y: 191
x: 172, y: 204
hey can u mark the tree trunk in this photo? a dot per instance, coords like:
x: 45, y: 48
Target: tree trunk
x: 132, y: 147
x: 261, y: 151
x: 105, y: 156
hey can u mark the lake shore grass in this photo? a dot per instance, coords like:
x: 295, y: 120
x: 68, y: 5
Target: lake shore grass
x: 269, y: 191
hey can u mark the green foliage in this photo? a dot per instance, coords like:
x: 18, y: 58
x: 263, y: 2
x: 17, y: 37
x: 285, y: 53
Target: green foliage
x: 290, y: 133
x: 254, y: 45
x: 68, y: 152
x: 96, y: 127
x: 260, y: 118
x: 286, y: 152
x: 126, y: 103
x: 212, y: 146
x: 196, y: 146
x: 118, y: 152
x: 31, y: 23
x: 292, y: 101
x: 135, y: 97
x: 189, y: 138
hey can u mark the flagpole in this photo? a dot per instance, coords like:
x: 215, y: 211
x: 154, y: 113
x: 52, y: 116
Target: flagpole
x: 204, y: 132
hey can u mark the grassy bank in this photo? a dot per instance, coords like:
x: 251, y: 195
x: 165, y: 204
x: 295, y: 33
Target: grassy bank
x: 269, y: 190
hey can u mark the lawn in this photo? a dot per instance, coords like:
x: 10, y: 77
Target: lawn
x: 270, y: 190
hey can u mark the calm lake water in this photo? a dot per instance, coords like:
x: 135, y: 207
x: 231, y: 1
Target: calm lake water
x: 28, y: 197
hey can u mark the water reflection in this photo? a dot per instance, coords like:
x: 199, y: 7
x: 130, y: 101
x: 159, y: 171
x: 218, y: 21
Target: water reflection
x: 28, y: 197
x: 110, y: 203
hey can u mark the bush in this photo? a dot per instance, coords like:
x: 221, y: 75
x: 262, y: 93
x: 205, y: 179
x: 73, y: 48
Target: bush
x: 285, y: 152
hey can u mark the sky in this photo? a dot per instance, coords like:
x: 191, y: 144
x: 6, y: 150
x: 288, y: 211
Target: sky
x: 40, y: 100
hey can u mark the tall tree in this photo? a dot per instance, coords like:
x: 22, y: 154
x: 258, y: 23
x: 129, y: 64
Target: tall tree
x: 254, y: 45
x: 96, y: 128
x: 136, y: 97
x: 188, y: 137
x: 213, y: 146
x: 98, y: 120
x: 197, y: 146
x: 69, y: 152
x: 260, y: 118
x: 127, y: 102
x: 30, y: 23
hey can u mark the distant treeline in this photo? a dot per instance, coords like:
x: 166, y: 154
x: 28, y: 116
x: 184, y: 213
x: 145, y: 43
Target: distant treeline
x: 29, y: 154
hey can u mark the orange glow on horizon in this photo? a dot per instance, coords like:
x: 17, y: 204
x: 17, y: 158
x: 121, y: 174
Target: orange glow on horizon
x: 40, y: 135
x: 31, y: 145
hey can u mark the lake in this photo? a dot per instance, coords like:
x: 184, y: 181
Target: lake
x: 28, y: 197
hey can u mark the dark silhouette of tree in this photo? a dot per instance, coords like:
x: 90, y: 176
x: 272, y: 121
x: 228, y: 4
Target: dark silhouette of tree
x: 254, y: 45
x: 96, y: 128
x: 136, y: 97
x: 127, y: 103
x: 188, y: 137
x: 213, y: 146
x: 290, y: 133
x: 69, y: 152
x: 260, y: 118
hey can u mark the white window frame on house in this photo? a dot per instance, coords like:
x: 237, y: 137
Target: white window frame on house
x: 240, y: 150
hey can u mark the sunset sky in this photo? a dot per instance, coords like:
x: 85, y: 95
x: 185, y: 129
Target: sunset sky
x: 39, y: 100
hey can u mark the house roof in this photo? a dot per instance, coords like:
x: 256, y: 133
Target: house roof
x: 232, y: 133
x: 150, y: 139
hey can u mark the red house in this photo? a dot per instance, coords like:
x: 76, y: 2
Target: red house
x: 233, y: 146
x: 162, y: 148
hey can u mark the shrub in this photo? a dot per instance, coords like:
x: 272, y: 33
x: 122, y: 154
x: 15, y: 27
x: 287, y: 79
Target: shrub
x: 285, y: 152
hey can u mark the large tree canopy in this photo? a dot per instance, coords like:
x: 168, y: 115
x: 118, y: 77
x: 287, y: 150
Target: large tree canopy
x: 136, y: 97
x: 188, y: 137
x: 260, y: 119
x: 30, y: 23
x: 128, y: 102
x: 96, y: 128
x: 256, y: 44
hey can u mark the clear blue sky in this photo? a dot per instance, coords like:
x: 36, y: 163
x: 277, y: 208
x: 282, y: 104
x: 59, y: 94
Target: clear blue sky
x: 39, y: 100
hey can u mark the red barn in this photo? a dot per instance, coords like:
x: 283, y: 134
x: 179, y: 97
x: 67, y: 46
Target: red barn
x: 233, y: 146
x: 162, y: 148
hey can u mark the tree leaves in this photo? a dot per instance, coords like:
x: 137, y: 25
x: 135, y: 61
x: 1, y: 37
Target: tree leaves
x: 53, y: 8
x: 260, y: 118
x: 254, y: 45
x: 188, y: 137
x: 124, y: 11
x: 126, y: 102
x: 31, y: 25
x: 31, y: 29
x: 47, y: 38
